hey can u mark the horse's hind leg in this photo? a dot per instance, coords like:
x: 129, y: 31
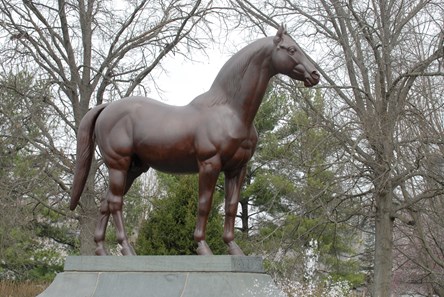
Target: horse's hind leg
x: 99, y: 234
x: 133, y: 173
x: 117, y: 181
x: 233, y: 184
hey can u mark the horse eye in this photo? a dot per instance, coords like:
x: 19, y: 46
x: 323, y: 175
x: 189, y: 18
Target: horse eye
x: 291, y: 51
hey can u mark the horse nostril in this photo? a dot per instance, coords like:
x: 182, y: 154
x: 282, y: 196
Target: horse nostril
x: 315, y: 75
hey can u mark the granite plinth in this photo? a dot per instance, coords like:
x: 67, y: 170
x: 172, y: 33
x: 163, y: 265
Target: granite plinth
x: 163, y: 276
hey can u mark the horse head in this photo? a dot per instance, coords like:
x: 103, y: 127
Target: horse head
x: 289, y: 59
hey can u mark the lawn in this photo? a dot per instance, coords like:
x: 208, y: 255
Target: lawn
x: 21, y: 289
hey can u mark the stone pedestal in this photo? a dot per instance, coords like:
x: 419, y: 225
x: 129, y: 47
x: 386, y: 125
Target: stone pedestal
x: 163, y: 276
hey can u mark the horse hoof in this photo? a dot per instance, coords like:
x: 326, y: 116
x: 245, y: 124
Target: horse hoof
x: 100, y: 252
x: 203, y: 249
x: 128, y: 251
x: 234, y: 249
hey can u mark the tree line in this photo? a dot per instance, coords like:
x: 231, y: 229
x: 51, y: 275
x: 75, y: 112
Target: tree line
x: 351, y: 170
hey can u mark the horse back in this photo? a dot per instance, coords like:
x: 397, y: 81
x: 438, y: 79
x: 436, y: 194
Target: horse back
x: 150, y: 133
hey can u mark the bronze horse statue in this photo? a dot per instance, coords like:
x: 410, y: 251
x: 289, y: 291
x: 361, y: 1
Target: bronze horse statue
x: 214, y: 133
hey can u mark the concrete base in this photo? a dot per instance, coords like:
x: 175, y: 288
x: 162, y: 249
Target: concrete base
x: 163, y: 276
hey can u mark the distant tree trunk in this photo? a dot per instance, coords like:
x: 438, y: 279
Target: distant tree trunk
x: 383, y: 245
x: 244, y: 216
x: 87, y: 223
x: 438, y: 290
x: 88, y: 215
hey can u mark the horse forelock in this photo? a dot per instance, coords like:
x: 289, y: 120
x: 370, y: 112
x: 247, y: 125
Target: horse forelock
x: 287, y: 41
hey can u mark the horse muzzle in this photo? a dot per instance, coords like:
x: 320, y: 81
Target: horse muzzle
x: 312, y: 79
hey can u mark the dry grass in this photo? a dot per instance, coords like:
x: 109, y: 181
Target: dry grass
x: 21, y: 289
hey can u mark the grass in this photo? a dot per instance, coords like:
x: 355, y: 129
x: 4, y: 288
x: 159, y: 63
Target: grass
x: 21, y: 289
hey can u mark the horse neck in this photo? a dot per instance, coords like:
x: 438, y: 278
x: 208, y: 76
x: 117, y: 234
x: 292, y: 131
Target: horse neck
x: 243, y: 80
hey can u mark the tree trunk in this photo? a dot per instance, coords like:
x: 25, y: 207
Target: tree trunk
x: 383, y: 245
x: 244, y: 216
x: 438, y: 290
x: 87, y: 222
x: 88, y: 215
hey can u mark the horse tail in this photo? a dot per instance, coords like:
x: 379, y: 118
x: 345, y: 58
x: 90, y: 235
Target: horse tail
x: 84, y: 153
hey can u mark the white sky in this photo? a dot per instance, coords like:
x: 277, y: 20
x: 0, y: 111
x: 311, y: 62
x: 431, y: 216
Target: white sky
x: 184, y: 80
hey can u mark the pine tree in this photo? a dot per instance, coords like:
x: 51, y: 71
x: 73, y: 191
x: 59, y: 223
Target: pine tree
x: 170, y: 226
x: 291, y: 190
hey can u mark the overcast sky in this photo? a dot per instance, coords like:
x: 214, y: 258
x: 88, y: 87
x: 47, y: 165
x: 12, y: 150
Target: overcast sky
x: 185, y: 80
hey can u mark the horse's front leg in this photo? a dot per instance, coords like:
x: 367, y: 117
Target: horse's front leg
x: 233, y: 185
x: 208, y: 173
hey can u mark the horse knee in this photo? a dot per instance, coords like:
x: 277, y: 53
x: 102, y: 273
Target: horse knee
x: 204, y: 206
x: 104, y: 207
x: 115, y: 204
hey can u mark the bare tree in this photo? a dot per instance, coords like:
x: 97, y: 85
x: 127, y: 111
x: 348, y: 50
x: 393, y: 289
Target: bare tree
x: 374, y: 57
x: 419, y: 197
x: 91, y: 51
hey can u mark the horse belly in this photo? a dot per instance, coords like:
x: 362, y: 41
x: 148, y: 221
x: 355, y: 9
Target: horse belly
x: 169, y: 160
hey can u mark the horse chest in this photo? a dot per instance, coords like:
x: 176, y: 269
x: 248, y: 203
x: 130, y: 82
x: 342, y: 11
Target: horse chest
x: 238, y: 157
x: 239, y: 150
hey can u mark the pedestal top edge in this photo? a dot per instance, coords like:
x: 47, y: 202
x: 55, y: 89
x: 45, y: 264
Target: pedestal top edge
x: 223, y: 263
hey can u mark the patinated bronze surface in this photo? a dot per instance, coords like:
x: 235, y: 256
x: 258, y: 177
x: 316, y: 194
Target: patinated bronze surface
x: 212, y: 134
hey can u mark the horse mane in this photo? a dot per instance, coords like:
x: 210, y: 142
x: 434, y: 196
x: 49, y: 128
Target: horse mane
x: 229, y: 78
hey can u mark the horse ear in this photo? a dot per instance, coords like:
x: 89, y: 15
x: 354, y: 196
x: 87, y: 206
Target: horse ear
x: 278, y: 38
